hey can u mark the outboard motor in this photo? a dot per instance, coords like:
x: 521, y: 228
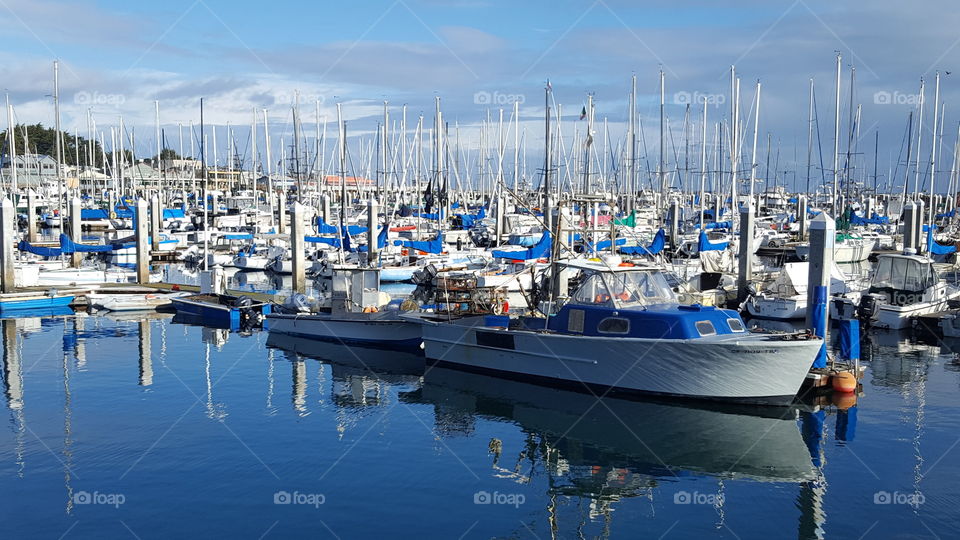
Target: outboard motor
x: 868, y: 308
x: 424, y: 276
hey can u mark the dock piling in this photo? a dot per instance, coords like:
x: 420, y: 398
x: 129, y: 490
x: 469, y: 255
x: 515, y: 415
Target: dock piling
x: 802, y: 216
x: 372, y: 210
x: 8, y: 236
x: 296, y: 247
x: 156, y: 222
x: 143, y: 248
x: 745, y: 273
x: 909, y: 221
x: 75, y: 232
x: 823, y: 232
x: 282, y: 206
x: 31, y: 216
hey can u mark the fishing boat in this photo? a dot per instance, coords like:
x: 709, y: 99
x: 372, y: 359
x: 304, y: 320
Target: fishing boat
x: 25, y: 301
x: 353, y: 309
x: 623, y: 331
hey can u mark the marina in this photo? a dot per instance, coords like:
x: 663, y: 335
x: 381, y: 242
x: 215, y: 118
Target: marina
x: 619, y: 299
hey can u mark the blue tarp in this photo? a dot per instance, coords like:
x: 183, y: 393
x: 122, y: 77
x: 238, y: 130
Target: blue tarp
x: 67, y: 246
x: 325, y: 228
x: 936, y: 248
x: 718, y: 225
x: 704, y: 244
x: 37, y: 250
x: 874, y: 219
x: 173, y: 213
x: 605, y: 244
x: 238, y: 236
x: 655, y: 247
x: 540, y: 249
x: 93, y: 213
x: 430, y: 246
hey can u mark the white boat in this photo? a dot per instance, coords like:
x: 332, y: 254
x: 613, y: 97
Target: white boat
x: 131, y: 302
x: 785, y: 298
x: 902, y: 287
x: 848, y: 248
x: 355, y: 312
x: 623, y: 331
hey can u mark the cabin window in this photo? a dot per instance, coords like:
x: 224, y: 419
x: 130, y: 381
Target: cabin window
x: 614, y: 325
x: 575, y: 321
x: 735, y: 325
x: 706, y: 328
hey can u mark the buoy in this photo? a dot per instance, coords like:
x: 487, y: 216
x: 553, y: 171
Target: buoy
x: 844, y: 381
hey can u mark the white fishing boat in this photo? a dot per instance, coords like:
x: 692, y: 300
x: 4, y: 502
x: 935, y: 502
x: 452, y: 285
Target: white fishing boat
x: 354, y: 311
x: 785, y: 298
x: 623, y: 331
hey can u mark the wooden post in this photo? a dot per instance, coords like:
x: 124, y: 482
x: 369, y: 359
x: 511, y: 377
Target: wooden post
x: 297, y: 247
x: 143, y: 248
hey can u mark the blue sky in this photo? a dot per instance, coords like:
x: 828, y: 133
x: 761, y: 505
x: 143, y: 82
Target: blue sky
x: 118, y: 57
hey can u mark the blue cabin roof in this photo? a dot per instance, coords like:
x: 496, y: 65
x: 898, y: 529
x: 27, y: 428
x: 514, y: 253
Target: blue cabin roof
x: 662, y: 321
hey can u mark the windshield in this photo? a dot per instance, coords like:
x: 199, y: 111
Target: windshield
x: 903, y: 274
x: 635, y: 287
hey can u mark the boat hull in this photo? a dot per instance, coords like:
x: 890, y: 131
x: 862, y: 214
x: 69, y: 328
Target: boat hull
x: 736, y: 368
x: 383, y: 332
x: 13, y: 305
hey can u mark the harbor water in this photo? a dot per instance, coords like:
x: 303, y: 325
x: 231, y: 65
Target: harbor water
x: 142, y: 426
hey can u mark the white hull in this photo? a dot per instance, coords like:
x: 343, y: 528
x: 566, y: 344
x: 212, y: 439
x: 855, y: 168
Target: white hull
x: 898, y: 317
x: 731, y: 367
x: 370, y: 328
x: 781, y: 309
x: 251, y: 263
x: 130, y: 302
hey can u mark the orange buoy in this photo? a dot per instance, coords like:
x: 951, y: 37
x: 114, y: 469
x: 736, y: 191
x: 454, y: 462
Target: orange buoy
x: 844, y: 382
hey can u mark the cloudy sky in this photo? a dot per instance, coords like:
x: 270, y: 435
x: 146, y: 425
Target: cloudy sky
x: 118, y: 57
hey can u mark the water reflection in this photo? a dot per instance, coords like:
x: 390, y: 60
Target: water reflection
x: 359, y: 376
x: 13, y: 388
x: 656, y: 439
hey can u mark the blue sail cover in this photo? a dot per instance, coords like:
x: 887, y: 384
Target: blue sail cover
x: 717, y: 225
x: 655, y: 247
x: 605, y: 244
x: 335, y: 242
x: 38, y: 250
x: 938, y: 249
x: 874, y: 219
x: 173, y: 213
x: 536, y: 251
x: 430, y: 246
x: 381, y: 240
x: 68, y: 246
x: 325, y: 228
x: 947, y: 214
x: 238, y: 236
x: 704, y: 244
x: 123, y: 212
x: 93, y: 213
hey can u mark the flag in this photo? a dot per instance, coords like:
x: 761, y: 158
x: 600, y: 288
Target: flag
x: 583, y: 113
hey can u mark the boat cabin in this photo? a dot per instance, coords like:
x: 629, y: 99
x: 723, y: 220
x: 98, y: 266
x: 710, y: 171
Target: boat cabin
x: 354, y: 289
x: 636, y: 302
x: 906, y: 279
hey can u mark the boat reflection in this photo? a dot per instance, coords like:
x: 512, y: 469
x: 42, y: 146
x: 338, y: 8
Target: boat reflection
x: 359, y: 375
x: 613, y: 441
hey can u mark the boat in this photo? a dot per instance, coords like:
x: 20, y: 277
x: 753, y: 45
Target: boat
x: 131, y: 302
x: 213, y: 304
x: 353, y: 311
x: 25, y: 301
x: 623, y: 332
x: 903, y: 286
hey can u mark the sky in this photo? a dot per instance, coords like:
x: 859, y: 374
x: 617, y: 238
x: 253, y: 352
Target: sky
x: 118, y: 58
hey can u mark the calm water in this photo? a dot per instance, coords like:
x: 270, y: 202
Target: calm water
x: 140, y: 427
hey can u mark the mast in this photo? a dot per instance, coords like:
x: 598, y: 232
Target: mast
x: 12, y: 151
x: 809, y: 135
x: 203, y: 167
x: 703, y: 161
x: 931, y: 212
x: 916, y: 177
x: 632, y: 141
x: 836, y: 143
x: 59, y: 149
x: 660, y: 166
x: 547, y: 211
x: 266, y: 145
x: 753, y: 159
